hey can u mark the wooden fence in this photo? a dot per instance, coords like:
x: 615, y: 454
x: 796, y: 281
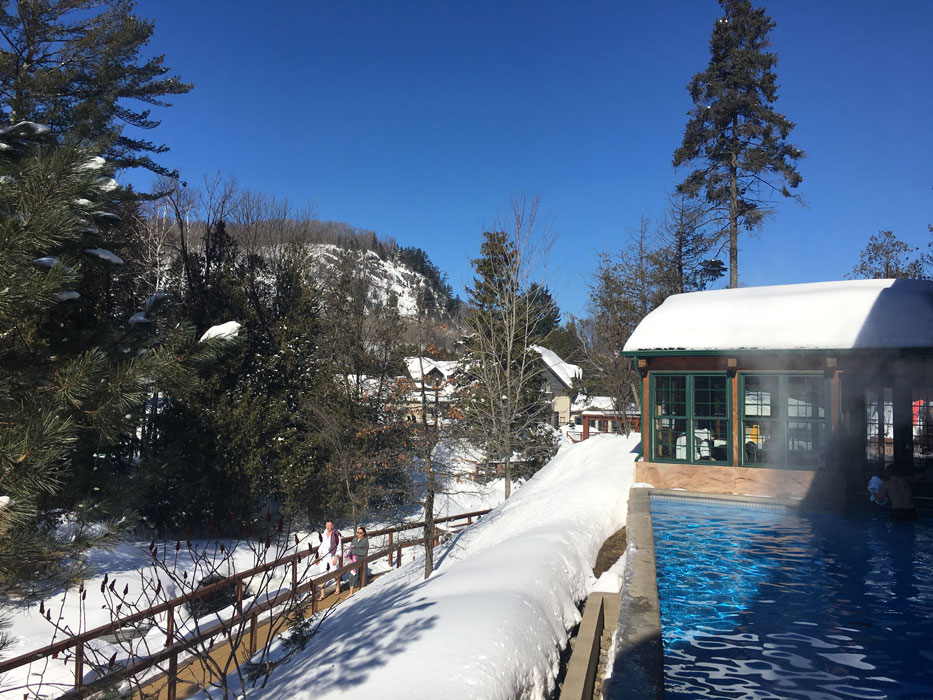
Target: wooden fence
x: 244, y: 618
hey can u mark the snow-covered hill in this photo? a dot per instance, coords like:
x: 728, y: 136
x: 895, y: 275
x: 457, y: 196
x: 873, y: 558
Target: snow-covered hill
x: 388, y: 277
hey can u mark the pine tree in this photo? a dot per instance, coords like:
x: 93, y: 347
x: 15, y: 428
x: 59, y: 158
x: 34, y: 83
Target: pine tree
x: 623, y: 292
x: 72, y: 372
x: 547, y: 310
x: 734, y: 138
x: 76, y: 66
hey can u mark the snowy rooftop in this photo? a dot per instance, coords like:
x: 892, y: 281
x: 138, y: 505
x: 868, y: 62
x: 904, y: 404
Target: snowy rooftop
x: 564, y: 371
x: 856, y: 314
x: 415, y: 364
x: 593, y: 404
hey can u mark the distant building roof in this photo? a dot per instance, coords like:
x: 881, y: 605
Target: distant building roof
x: 564, y: 371
x: 415, y: 364
x: 855, y: 314
x: 593, y: 404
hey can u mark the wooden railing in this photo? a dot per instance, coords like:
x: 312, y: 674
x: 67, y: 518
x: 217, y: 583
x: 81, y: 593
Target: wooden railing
x: 243, y: 615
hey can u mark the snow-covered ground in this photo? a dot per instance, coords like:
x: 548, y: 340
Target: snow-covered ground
x: 130, y: 565
x: 490, y: 622
x: 492, y: 619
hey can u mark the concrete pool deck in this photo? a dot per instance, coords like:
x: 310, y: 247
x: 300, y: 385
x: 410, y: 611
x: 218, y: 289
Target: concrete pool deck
x: 638, y: 667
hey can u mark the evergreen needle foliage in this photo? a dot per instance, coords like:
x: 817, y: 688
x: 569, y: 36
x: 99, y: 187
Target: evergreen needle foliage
x: 735, y: 140
x: 75, y: 65
x: 73, y: 369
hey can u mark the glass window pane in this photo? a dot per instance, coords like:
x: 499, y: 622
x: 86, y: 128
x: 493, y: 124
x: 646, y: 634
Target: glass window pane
x: 670, y: 396
x: 762, y: 442
x: 887, y: 426
x: 879, y: 426
x: 922, y: 425
x: 709, y: 396
x: 761, y: 396
x: 671, y: 438
x: 806, y: 397
x: 873, y: 445
x: 711, y: 439
x: 805, y: 443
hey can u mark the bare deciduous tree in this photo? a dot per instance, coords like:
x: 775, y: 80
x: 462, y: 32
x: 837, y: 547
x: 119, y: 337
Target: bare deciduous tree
x: 505, y: 408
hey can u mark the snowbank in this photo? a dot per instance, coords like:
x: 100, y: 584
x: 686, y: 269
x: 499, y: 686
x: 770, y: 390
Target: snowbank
x: 130, y: 564
x: 491, y: 620
x: 489, y: 623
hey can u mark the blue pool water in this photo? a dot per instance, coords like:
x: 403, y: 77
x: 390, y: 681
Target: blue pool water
x: 768, y: 604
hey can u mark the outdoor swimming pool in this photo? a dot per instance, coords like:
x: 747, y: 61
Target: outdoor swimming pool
x: 767, y: 603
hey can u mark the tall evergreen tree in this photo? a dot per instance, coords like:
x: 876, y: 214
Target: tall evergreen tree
x: 734, y: 138
x: 76, y: 66
x: 547, y: 310
x: 72, y: 370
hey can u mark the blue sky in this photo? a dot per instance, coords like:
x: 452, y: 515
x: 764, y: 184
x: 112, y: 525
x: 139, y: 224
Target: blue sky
x: 419, y: 120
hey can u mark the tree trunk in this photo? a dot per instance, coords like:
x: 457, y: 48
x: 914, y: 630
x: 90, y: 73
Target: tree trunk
x: 506, y: 468
x: 429, y: 521
x: 429, y: 440
x: 734, y: 213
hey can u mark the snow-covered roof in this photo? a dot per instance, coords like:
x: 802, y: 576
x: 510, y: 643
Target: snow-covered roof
x: 445, y: 367
x: 855, y: 314
x: 593, y: 404
x: 564, y: 371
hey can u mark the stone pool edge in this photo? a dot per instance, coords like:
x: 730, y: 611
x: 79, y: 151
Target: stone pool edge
x: 638, y: 667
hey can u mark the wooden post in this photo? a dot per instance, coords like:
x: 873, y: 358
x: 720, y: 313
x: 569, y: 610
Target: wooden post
x: 398, y: 558
x: 239, y: 596
x: 169, y: 625
x: 173, y: 676
x: 295, y: 575
x: 252, y: 634
x: 79, y: 664
x: 390, y: 549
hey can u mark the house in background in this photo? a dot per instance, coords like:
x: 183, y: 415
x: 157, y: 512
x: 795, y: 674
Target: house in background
x: 436, y: 377
x: 559, y: 377
x: 591, y: 415
x: 793, y: 391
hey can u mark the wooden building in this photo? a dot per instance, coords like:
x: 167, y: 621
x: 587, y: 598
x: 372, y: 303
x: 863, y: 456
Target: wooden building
x: 558, y: 379
x: 794, y: 391
x: 593, y: 415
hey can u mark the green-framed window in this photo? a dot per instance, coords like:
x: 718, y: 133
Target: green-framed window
x: 690, y: 419
x: 785, y: 420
